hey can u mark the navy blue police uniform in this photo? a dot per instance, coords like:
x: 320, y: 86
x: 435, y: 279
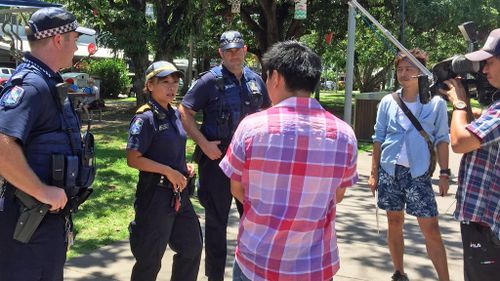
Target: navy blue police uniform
x: 32, y: 113
x: 157, y: 133
x: 224, y: 101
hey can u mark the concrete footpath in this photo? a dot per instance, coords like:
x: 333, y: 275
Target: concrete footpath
x: 363, y: 252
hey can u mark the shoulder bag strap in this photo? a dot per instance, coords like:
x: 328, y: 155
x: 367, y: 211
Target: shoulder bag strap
x: 410, y: 116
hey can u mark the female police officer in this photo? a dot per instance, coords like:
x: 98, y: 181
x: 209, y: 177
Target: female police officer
x: 163, y: 213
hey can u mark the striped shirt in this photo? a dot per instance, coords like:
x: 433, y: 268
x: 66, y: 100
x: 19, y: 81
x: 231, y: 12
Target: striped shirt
x: 478, y: 194
x: 290, y: 159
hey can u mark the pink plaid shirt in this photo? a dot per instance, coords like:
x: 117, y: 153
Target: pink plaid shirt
x: 290, y: 159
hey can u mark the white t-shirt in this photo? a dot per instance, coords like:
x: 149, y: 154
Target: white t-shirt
x: 405, y: 123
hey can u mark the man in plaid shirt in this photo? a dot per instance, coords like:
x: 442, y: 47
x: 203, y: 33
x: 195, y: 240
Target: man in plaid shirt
x: 478, y: 194
x: 290, y: 166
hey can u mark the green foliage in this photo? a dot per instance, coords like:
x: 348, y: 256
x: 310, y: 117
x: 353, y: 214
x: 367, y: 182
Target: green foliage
x: 113, y: 76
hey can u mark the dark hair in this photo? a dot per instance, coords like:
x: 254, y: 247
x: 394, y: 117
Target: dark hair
x: 418, y: 53
x: 299, y: 65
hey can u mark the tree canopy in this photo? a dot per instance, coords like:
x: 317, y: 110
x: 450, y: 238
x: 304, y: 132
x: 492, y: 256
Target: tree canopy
x: 176, y: 27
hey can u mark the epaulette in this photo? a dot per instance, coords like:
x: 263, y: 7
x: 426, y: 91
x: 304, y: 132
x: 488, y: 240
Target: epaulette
x: 143, y: 108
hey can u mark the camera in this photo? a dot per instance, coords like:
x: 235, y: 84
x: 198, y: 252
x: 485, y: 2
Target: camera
x: 474, y: 80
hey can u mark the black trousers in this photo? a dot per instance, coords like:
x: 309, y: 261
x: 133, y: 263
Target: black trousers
x: 481, y: 252
x: 215, y: 195
x: 157, y: 224
x: 41, y: 259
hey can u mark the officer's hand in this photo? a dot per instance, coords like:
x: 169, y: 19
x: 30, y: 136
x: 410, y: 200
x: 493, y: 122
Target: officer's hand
x: 211, y: 150
x: 373, y: 183
x: 53, y: 196
x: 444, y: 185
x: 177, y: 179
x: 191, y: 170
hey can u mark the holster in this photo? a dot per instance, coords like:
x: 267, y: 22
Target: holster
x: 32, y: 214
x: 197, y: 154
x: 191, y: 184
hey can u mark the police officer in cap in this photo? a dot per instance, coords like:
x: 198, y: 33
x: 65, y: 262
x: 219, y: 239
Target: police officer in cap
x: 35, y: 124
x: 225, y: 94
x: 163, y: 212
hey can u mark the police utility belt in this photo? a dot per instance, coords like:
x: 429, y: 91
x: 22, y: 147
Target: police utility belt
x: 74, y: 173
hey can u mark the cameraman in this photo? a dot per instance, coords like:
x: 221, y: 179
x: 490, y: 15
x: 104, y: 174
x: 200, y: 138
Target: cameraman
x: 478, y: 194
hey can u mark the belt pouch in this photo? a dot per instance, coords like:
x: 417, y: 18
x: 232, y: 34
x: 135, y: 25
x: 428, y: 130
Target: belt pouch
x: 58, y: 170
x: 71, y: 172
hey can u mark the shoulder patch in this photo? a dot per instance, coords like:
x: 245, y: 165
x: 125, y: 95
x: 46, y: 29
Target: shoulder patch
x: 136, y: 127
x: 12, y: 97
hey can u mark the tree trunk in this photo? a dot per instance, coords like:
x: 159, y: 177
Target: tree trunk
x: 139, y: 56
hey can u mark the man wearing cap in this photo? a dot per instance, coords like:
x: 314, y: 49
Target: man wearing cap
x: 35, y: 125
x: 226, y: 94
x: 478, y: 194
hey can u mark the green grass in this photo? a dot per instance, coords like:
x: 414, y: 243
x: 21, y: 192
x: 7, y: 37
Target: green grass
x: 104, y: 218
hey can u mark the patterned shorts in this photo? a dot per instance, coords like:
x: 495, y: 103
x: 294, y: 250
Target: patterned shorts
x: 396, y: 191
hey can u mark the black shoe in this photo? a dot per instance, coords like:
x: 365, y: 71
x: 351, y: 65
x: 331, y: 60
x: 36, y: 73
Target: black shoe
x: 397, y: 276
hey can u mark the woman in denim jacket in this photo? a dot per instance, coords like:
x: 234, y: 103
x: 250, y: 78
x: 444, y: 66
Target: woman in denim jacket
x: 400, y: 164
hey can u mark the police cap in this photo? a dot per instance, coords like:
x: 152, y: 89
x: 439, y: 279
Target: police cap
x: 48, y: 22
x: 162, y: 69
x: 231, y: 39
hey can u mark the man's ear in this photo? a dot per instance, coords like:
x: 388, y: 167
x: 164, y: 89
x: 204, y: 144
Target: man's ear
x: 275, y: 78
x: 57, y: 40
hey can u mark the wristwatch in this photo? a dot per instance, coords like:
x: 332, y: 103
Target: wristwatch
x: 445, y: 172
x: 459, y: 105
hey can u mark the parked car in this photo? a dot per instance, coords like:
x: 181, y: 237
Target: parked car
x: 328, y: 85
x: 6, y: 72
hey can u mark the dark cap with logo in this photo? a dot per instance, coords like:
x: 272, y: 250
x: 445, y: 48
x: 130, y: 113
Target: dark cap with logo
x: 48, y: 22
x: 162, y: 69
x: 231, y: 39
x: 491, y: 48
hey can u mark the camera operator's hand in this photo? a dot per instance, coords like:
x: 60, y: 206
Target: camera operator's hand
x: 455, y: 92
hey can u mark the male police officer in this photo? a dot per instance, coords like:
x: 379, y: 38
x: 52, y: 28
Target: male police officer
x: 226, y: 94
x: 36, y: 125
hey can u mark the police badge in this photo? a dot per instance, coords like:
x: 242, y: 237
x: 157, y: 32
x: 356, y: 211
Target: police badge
x: 13, y: 97
x: 136, y: 127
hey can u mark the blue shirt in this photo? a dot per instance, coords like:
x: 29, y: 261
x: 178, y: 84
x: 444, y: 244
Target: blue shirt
x: 204, y: 95
x: 33, y: 111
x: 160, y: 140
x: 432, y: 116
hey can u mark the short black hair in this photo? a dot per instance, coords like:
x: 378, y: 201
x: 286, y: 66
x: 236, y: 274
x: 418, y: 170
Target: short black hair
x: 299, y: 65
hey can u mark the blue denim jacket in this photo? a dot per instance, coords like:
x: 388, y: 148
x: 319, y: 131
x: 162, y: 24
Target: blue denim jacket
x: 434, y: 119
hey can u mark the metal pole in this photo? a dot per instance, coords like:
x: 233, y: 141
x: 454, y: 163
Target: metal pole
x: 351, y: 31
x: 389, y: 36
x: 402, y: 25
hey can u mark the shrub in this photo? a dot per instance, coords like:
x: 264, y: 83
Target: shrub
x: 113, y: 76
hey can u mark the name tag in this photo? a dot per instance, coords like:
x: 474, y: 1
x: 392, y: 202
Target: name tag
x: 163, y: 127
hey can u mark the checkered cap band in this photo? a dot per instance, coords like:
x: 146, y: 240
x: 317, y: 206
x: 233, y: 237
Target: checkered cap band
x: 56, y: 30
